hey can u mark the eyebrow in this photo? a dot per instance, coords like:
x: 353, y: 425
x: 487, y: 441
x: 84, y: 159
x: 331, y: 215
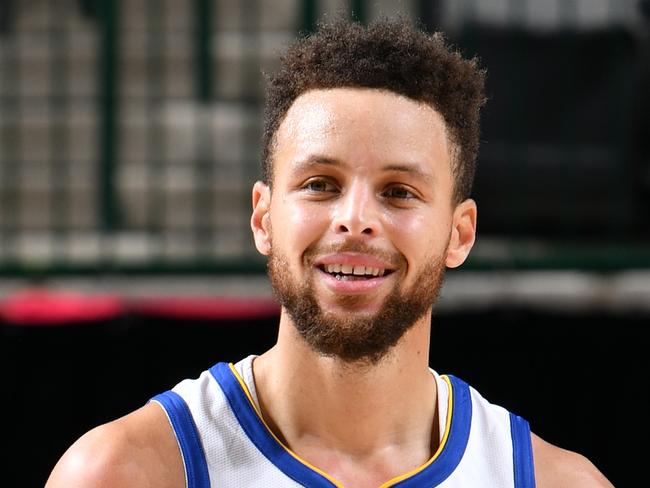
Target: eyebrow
x: 411, y: 169
x: 311, y: 161
x: 317, y: 160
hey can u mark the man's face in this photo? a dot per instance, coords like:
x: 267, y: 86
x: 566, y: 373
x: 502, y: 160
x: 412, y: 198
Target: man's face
x: 360, y: 219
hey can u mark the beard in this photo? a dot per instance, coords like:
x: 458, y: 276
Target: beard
x: 354, y: 337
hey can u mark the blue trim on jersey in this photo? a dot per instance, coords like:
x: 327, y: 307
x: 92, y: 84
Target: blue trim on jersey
x: 453, y: 451
x: 431, y: 476
x: 522, y: 453
x: 259, y: 434
x: 196, y: 467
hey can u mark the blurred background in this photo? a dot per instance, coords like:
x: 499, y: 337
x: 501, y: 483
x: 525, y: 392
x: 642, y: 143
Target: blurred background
x: 129, y: 141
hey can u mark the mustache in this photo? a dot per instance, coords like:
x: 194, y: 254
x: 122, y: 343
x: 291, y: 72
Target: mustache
x: 395, y: 259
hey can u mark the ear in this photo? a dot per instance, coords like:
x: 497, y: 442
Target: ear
x: 463, y: 233
x: 261, y: 219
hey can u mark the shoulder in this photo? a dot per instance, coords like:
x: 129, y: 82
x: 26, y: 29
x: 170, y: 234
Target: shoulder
x: 138, y: 450
x: 558, y: 468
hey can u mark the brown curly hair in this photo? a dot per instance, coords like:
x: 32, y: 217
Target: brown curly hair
x: 391, y: 55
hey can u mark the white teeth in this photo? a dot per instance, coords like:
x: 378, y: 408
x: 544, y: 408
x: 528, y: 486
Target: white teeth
x: 333, y: 268
x: 347, y: 269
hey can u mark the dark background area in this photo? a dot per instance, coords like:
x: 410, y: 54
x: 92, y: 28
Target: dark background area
x: 565, y: 133
x: 580, y: 379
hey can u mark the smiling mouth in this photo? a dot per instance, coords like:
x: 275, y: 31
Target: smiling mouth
x: 347, y: 272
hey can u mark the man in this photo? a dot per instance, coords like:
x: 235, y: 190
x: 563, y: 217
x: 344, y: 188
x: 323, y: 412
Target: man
x: 368, y: 153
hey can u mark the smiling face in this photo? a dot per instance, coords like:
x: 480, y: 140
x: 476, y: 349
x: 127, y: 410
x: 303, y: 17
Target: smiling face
x: 360, y: 223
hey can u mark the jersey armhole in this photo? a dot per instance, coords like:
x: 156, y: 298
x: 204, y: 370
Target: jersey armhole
x: 187, y: 436
x: 522, y: 453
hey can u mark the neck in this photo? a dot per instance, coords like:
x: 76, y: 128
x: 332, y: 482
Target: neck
x: 357, y: 411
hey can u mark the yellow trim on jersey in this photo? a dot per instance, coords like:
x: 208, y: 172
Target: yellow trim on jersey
x: 445, y: 436
x: 388, y: 483
x: 242, y: 383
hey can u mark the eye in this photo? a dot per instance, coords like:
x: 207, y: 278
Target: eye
x: 399, y: 192
x: 319, y: 185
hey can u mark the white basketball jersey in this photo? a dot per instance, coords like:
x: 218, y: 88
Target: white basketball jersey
x: 225, y: 443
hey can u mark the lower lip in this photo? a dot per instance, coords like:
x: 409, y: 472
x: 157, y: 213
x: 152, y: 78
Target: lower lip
x: 352, y: 287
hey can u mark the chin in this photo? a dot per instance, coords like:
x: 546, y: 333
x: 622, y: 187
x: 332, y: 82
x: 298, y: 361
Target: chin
x: 351, y: 306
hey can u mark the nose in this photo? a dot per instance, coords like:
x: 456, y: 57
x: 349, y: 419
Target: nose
x: 356, y: 214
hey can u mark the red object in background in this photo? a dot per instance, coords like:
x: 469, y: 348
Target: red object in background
x: 47, y: 307
x: 207, y: 308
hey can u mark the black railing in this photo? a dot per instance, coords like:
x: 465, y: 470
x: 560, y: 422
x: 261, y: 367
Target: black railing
x: 143, y: 163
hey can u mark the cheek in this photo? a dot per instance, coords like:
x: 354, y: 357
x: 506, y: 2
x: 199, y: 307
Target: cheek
x: 298, y: 226
x: 420, y: 236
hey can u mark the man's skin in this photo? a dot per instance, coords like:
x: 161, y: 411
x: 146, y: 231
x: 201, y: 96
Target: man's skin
x: 350, y: 164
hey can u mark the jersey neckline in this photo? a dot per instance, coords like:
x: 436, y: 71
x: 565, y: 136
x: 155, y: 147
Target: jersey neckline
x: 431, y: 474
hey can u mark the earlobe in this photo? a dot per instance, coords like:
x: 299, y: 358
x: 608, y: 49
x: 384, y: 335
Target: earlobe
x: 463, y: 233
x: 261, y: 218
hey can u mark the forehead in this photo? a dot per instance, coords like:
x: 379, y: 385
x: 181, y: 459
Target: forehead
x: 362, y: 125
